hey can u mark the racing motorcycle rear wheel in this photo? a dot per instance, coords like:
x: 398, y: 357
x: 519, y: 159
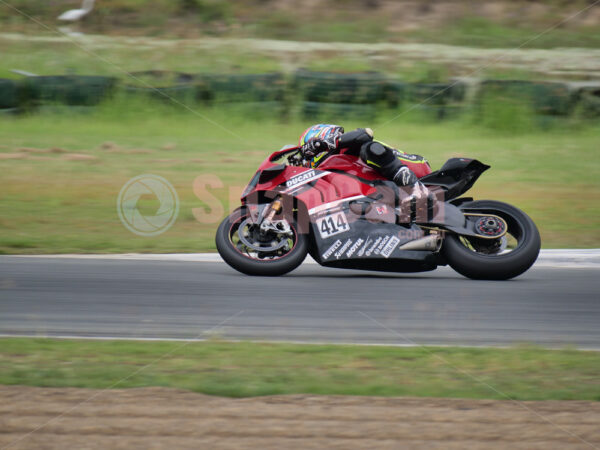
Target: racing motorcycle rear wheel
x: 495, y: 259
x: 245, y: 248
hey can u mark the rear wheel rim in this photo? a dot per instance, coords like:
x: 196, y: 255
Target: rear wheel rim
x: 513, y: 240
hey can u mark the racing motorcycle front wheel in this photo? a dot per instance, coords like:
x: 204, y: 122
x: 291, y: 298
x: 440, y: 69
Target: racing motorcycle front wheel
x: 495, y: 259
x: 264, y: 252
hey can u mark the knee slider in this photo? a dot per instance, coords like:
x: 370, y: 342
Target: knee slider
x: 377, y: 153
x: 376, y: 149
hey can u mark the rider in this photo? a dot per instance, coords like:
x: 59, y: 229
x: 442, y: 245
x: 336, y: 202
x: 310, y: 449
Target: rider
x: 319, y: 140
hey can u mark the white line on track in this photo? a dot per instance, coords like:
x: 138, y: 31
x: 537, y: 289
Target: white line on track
x: 275, y: 341
x: 559, y: 258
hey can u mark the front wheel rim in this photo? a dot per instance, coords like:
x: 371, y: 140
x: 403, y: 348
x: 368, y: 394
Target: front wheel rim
x: 246, y: 240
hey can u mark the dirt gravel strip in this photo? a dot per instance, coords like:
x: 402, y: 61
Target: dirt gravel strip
x: 560, y: 62
x: 155, y: 418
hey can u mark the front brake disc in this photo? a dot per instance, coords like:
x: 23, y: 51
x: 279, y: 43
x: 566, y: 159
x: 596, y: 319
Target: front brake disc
x: 255, y: 244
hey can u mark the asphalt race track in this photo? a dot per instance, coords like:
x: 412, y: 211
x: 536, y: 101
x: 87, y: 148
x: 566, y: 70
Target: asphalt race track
x: 549, y: 306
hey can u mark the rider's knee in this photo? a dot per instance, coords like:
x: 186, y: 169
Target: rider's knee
x: 376, y: 153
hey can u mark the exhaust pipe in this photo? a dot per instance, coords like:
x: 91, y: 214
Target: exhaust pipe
x: 433, y: 243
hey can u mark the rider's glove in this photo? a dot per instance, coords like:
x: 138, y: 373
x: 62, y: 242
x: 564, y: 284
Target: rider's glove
x: 315, y: 147
x: 405, y: 177
x: 420, y: 190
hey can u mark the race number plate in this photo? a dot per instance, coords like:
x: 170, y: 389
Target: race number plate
x: 331, y: 225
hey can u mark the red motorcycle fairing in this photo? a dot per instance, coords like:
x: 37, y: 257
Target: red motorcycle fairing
x: 351, y: 165
x: 271, y: 175
x: 351, y: 212
x: 316, y: 188
x: 340, y: 178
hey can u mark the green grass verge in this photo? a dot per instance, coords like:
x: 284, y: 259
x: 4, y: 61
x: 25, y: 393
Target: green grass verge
x: 252, y: 369
x: 62, y: 172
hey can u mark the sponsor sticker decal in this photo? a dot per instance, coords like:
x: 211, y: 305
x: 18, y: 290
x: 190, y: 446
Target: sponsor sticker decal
x: 389, y: 248
x: 332, y: 249
x: 354, y: 247
x: 341, y: 251
x: 375, y: 244
x: 381, y: 245
x: 364, y: 247
x: 332, y: 224
x: 381, y: 209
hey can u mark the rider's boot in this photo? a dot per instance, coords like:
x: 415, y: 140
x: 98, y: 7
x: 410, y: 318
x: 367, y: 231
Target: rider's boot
x: 417, y: 199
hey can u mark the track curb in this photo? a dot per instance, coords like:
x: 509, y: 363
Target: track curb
x: 562, y: 258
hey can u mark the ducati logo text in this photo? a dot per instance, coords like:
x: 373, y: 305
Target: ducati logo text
x: 302, y: 178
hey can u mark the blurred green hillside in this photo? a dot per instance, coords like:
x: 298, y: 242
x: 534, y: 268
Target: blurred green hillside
x: 504, y: 23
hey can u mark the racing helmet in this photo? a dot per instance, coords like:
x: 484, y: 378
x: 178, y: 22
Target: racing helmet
x: 321, y: 132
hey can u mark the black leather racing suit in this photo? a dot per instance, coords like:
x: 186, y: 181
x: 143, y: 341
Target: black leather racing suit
x: 386, y: 160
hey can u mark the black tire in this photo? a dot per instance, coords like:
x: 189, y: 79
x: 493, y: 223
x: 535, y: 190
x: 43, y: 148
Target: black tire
x: 503, y: 266
x: 251, y: 266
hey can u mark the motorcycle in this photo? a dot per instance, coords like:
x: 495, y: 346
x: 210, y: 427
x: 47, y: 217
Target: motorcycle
x: 346, y: 215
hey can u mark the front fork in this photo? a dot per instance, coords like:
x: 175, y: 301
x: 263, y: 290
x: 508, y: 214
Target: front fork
x: 266, y: 222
